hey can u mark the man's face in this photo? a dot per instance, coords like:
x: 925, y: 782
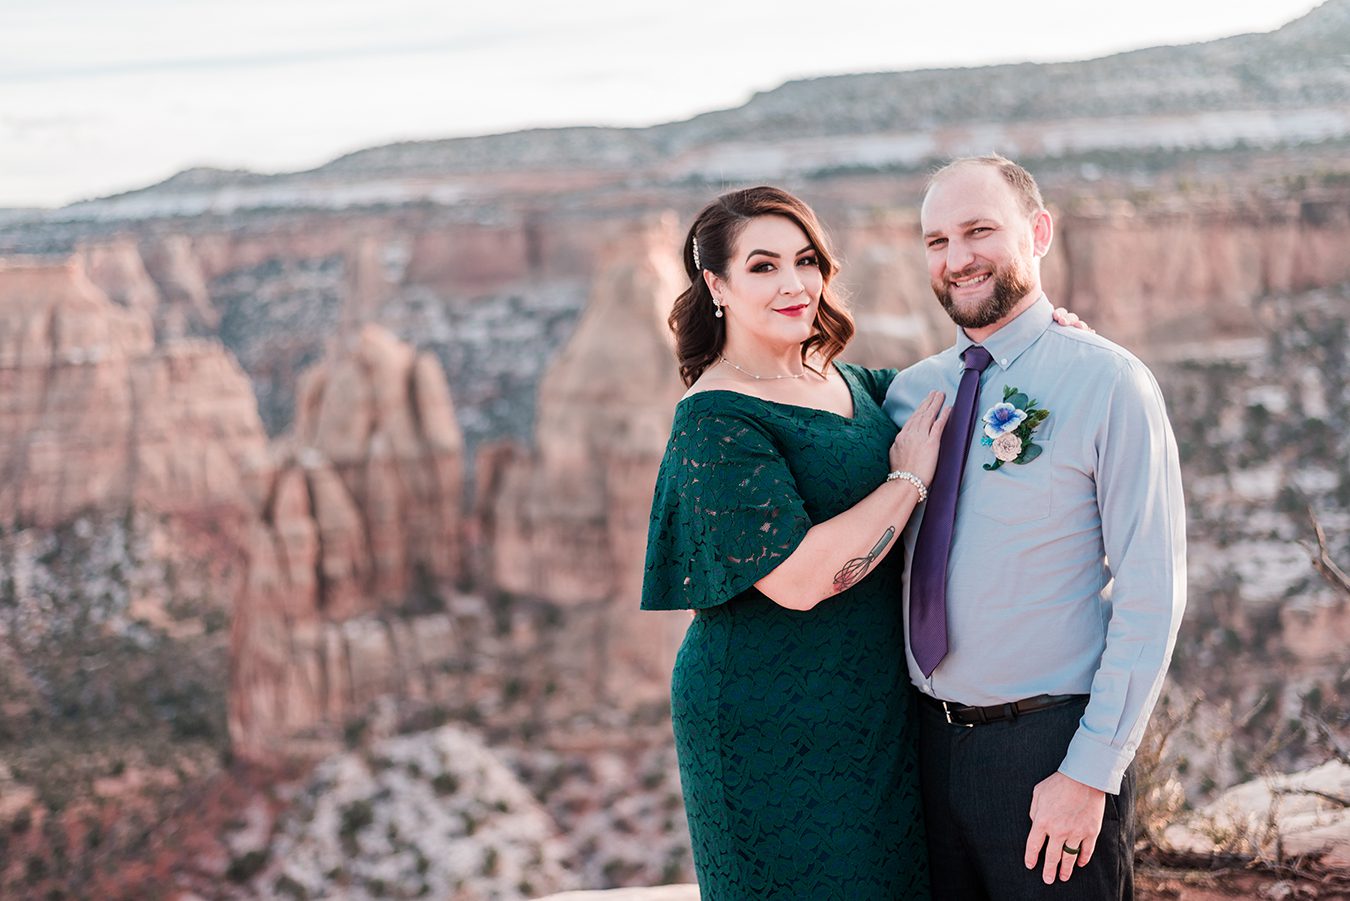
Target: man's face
x: 980, y: 245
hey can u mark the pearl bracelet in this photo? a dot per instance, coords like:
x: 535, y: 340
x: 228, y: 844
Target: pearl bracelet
x: 912, y: 479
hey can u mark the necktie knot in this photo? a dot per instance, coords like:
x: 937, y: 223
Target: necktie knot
x: 977, y: 358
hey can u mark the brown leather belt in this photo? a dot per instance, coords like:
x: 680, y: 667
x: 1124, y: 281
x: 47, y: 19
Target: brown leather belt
x: 963, y: 715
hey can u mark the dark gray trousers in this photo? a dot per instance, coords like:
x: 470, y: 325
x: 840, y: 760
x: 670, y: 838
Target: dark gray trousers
x: 977, y: 784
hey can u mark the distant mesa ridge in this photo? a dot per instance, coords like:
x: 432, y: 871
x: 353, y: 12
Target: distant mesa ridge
x: 1289, y: 85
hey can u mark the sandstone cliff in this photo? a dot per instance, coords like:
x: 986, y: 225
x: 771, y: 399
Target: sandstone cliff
x: 381, y: 415
x: 95, y: 417
x: 361, y: 529
x: 885, y: 278
x: 568, y: 522
x: 1159, y: 273
x: 177, y: 271
x: 128, y: 475
x: 361, y: 582
x: 118, y: 268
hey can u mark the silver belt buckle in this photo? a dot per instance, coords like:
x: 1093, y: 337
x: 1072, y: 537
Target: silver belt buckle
x: 947, y: 709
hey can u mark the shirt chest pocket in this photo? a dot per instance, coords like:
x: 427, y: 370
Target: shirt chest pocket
x: 1012, y: 494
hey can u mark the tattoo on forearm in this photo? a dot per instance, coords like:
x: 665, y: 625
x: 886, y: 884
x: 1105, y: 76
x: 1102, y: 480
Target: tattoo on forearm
x: 856, y: 568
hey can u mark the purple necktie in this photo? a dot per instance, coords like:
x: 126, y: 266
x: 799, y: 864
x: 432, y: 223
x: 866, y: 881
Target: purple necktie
x: 928, y: 573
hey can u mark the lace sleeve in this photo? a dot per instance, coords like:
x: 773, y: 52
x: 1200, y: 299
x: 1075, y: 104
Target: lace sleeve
x: 725, y: 514
x: 875, y: 381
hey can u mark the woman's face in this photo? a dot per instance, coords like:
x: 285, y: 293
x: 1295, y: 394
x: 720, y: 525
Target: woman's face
x: 773, y: 284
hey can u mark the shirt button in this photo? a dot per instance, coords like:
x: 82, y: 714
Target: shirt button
x: 1003, y: 362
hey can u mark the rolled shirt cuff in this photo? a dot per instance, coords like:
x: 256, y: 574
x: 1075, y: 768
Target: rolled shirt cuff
x: 1096, y: 763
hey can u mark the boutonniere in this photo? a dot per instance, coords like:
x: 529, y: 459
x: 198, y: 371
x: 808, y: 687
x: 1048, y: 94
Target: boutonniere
x: 1008, y: 428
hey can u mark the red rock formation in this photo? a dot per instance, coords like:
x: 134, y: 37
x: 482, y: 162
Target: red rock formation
x: 118, y: 269
x: 177, y: 270
x: 1151, y: 277
x: 885, y: 280
x: 364, y: 519
x: 462, y: 259
x: 213, y: 254
x: 569, y: 522
x: 381, y: 415
x: 95, y: 417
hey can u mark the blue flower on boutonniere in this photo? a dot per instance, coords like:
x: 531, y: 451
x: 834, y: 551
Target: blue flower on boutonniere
x: 1002, y: 418
x: 1009, y: 426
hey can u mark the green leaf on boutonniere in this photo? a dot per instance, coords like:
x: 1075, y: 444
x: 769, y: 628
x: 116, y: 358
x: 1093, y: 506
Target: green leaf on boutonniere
x: 1029, y: 452
x: 1036, y: 417
x: 1008, y: 392
x: 1019, y: 400
x: 992, y: 466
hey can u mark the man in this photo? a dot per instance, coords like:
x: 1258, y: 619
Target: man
x: 1046, y: 577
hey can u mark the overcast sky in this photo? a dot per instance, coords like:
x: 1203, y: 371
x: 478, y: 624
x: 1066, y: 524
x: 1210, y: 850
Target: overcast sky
x: 98, y: 97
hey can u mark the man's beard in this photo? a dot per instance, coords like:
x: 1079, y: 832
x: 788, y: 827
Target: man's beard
x: 1011, y: 284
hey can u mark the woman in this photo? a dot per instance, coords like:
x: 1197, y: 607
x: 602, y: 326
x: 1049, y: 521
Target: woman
x: 778, y: 509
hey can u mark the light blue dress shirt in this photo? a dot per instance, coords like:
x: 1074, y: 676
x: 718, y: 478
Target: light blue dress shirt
x: 1068, y: 573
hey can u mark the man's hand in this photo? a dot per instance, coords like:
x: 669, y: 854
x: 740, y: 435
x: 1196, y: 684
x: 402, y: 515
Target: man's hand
x: 1069, y: 814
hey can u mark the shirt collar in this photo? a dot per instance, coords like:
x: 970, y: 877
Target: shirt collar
x: 1008, y: 343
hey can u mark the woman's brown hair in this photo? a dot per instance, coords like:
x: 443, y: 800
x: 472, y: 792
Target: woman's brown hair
x: 699, y: 333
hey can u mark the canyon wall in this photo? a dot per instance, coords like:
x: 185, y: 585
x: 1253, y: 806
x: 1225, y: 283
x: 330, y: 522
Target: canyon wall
x: 567, y: 521
x: 356, y: 516
x: 448, y: 521
x: 95, y: 416
x: 358, y: 546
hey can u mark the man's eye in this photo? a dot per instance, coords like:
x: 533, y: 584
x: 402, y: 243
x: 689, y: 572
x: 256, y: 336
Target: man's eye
x: 936, y: 242
x: 980, y: 228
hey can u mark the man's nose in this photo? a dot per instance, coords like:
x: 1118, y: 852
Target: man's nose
x: 959, y: 256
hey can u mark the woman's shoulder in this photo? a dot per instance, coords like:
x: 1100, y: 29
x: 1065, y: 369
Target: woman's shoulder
x: 874, y: 381
x: 865, y: 372
x: 715, y: 434
x: 714, y: 411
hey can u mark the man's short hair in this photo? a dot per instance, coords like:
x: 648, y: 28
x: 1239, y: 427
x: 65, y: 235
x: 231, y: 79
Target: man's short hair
x: 1024, y: 186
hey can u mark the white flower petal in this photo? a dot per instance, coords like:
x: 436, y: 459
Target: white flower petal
x: 1007, y: 447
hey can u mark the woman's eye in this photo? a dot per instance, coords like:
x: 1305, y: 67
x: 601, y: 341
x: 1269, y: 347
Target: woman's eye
x: 808, y: 261
x: 761, y: 267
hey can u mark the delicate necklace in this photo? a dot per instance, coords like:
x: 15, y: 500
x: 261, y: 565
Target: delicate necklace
x: 790, y: 375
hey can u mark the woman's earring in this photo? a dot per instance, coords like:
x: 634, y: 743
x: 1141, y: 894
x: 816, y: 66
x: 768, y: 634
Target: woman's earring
x: 718, y: 304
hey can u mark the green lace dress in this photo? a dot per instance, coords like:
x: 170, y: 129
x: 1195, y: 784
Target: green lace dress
x: 795, y: 730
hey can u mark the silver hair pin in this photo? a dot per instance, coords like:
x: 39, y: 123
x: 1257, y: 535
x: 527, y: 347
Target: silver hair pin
x: 697, y: 264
